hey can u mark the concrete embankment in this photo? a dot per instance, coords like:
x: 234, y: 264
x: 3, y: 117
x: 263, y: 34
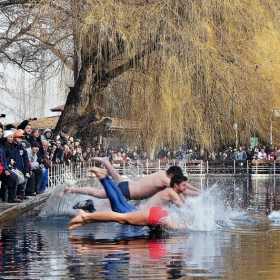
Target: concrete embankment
x: 13, y: 210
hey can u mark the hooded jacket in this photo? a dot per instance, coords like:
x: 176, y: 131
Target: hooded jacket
x: 43, y: 136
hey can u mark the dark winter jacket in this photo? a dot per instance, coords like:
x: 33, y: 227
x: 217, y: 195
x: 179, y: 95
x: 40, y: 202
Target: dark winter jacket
x: 19, y: 155
x: 3, y: 161
x: 6, y: 148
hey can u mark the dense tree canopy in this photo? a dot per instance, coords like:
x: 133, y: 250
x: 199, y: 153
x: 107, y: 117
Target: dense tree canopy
x: 183, y: 69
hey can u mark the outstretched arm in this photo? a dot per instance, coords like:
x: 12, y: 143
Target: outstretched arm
x: 175, y: 198
x: 191, y: 190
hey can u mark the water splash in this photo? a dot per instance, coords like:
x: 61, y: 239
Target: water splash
x: 61, y: 203
x: 211, y: 211
x: 134, y: 171
x: 274, y: 216
x: 182, y: 163
x: 57, y: 205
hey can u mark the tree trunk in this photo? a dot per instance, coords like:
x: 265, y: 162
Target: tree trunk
x: 80, y: 116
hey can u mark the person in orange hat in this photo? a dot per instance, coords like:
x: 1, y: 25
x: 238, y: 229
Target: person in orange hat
x: 20, y: 157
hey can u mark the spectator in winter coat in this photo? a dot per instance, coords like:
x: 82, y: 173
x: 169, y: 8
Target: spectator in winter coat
x: 7, y: 179
x: 47, y: 135
x: 37, y: 168
x: 58, y: 156
x: 63, y: 137
x: 20, y: 157
x: 27, y: 128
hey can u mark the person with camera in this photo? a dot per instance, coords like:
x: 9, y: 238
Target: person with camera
x: 27, y: 128
x: 58, y: 156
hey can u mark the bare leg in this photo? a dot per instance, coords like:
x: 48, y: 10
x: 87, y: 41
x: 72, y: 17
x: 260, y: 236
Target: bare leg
x: 118, y: 203
x: 100, y: 173
x: 87, y: 190
x: 115, y: 175
x: 137, y: 218
x: 66, y: 190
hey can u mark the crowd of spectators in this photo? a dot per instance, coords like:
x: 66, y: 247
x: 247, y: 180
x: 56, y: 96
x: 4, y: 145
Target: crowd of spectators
x: 262, y: 152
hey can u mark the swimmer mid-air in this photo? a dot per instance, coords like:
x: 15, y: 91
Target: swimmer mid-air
x: 124, y: 213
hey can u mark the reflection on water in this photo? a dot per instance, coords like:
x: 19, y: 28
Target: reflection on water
x: 244, y: 244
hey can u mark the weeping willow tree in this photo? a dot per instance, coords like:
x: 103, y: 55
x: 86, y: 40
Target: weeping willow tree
x: 182, y: 69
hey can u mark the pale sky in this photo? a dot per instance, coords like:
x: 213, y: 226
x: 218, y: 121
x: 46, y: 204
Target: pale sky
x: 21, y: 96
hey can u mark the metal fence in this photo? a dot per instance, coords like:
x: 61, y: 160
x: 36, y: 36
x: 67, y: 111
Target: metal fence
x: 59, y: 173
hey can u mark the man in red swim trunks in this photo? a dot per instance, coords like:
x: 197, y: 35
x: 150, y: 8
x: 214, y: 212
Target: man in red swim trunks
x: 151, y: 216
x: 157, y: 216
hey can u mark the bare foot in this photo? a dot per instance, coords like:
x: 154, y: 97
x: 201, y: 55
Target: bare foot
x: 62, y: 192
x: 66, y: 190
x: 99, y: 172
x: 104, y: 160
x: 78, y: 221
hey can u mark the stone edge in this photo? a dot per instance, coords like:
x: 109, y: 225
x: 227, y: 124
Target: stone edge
x: 18, y: 209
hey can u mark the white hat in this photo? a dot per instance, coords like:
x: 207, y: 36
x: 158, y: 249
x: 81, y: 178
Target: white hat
x: 7, y: 133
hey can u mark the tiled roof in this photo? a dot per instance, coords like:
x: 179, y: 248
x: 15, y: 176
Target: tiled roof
x: 42, y: 123
x: 58, y: 108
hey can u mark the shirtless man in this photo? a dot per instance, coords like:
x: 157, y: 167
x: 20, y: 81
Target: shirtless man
x: 141, y: 189
x: 128, y: 214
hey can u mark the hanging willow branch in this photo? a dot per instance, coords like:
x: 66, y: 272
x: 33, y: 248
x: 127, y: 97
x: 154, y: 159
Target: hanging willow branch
x: 182, y: 69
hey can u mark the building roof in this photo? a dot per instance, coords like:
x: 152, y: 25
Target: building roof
x: 58, y: 108
x: 42, y: 123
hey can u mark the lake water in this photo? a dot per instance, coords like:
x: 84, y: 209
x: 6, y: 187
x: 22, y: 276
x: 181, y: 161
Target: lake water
x: 231, y: 238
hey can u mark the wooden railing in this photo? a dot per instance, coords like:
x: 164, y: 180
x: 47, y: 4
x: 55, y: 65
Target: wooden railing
x: 62, y: 172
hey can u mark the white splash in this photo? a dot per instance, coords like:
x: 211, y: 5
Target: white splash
x: 274, y: 216
x: 205, y: 212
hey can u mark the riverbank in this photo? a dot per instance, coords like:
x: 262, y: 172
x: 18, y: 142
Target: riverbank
x: 13, y: 210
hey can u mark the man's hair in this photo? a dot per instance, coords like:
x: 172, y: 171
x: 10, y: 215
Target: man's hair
x: 177, y: 179
x: 174, y: 169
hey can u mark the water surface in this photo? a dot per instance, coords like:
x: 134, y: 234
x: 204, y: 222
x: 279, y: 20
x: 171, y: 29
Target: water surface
x: 232, y: 238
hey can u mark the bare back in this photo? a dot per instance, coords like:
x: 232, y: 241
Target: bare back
x: 149, y: 185
x: 163, y: 198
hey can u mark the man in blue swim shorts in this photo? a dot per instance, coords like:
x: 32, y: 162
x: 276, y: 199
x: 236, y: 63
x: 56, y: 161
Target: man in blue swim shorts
x: 140, y: 189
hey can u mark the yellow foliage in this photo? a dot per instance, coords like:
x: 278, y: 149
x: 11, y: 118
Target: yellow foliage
x: 214, y: 63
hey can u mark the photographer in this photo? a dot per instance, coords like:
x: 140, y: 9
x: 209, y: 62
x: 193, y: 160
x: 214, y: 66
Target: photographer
x: 27, y: 128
